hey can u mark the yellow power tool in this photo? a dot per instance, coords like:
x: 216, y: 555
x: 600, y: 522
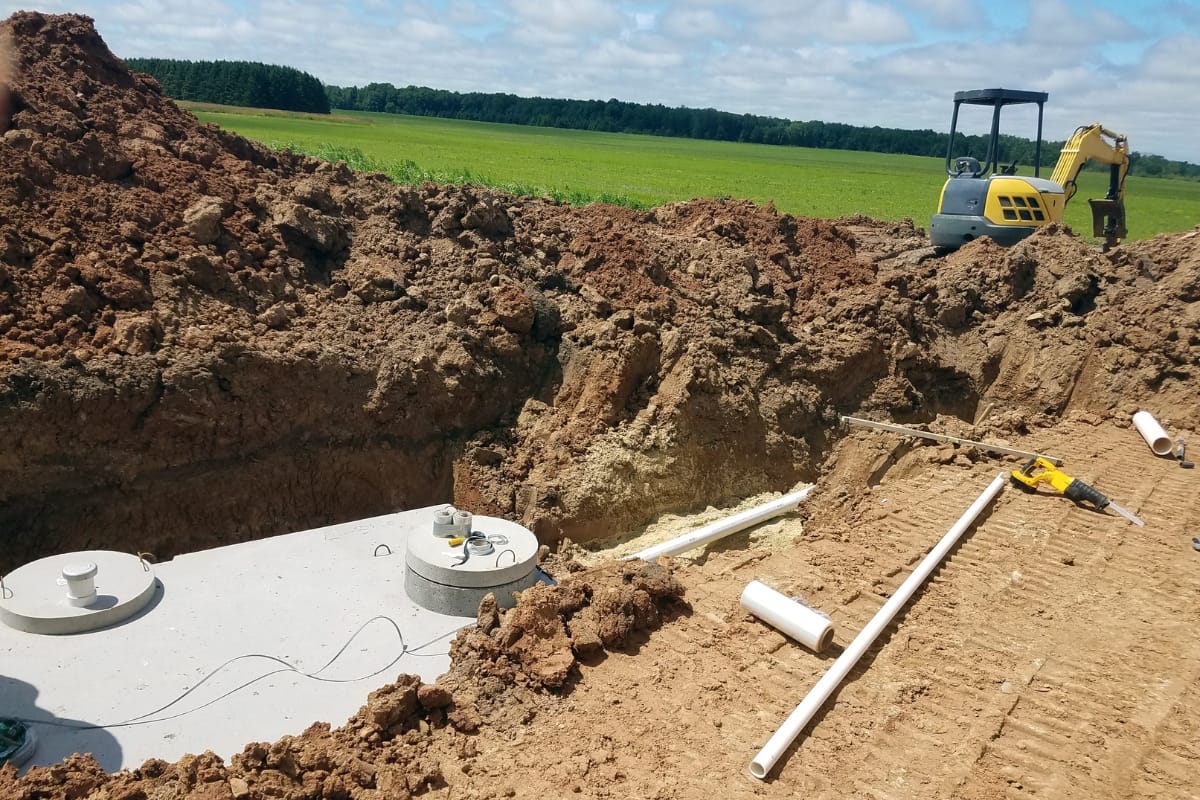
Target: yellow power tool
x: 1037, y: 471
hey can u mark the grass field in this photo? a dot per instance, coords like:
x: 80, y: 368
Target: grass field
x: 644, y: 171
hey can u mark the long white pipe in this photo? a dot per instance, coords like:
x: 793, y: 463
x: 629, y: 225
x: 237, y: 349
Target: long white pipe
x: 807, y: 626
x: 762, y: 764
x: 1152, y: 432
x: 724, y: 527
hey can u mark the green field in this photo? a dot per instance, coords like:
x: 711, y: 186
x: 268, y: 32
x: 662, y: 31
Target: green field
x: 644, y: 171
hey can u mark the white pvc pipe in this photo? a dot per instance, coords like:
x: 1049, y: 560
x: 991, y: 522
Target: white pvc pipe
x: 80, y: 578
x: 811, y: 628
x: 722, y: 528
x: 1152, y: 432
x: 762, y: 764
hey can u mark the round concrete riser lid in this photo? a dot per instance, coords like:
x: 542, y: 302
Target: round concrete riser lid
x: 434, y: 580
x: 34, y: 598
x: 434, y: 559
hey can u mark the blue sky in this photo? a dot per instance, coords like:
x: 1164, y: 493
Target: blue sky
x: 1132, y: 65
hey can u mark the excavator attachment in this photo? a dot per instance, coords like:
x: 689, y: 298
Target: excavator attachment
x: 1108, y: 220
x: 1096, y: 143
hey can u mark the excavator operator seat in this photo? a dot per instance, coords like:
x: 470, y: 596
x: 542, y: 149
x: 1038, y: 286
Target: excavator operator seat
x: 968, y: 167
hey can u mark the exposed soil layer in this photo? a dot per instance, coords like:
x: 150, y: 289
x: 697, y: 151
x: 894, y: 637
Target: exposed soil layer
x: 203, y: 342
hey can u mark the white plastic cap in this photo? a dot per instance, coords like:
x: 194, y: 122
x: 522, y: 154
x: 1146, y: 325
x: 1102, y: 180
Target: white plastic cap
x: 79, y: 570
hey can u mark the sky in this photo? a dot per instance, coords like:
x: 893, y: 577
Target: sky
x: 1132, y: 65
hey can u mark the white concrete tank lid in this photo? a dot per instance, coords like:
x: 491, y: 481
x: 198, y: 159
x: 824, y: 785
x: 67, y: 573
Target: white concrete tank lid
x: 514, y: 555
x: 45, y: 596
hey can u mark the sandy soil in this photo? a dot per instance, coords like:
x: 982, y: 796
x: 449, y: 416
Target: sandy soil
x: 203, y: 342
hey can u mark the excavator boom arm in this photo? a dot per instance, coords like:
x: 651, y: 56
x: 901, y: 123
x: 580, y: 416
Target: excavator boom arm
x: 1097, y: 143
x: 1091, y: 143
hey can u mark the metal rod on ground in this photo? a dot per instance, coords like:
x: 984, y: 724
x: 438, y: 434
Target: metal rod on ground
x: 724, y: 527
x: 762, y: 764
x: 941, y: 437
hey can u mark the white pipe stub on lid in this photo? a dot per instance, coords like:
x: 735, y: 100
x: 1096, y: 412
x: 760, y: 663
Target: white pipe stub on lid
x: 806, y: 625
x: 443, y: 523
x: 1152, y: 432
x: 81, y: 583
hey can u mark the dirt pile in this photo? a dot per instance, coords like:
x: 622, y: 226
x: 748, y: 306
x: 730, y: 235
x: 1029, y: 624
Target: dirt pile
x: 502, y: 672
x: 202, y: 341
x: 538, y: 643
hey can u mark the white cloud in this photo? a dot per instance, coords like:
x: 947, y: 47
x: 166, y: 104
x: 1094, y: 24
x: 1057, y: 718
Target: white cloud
x: 424, y: 33
x: 160, y: 11
x: 1154, y: 103
x: 885, y: 62
x: 572, y: 17
x: 861, y: 22
x: 649, y: 53
x: 468, y: 12
x: 692, y: 23
x: 1175, y: 60
x: 830, y: 21
x: 1053, y: 22
x: 964, y: 15
x: 47, y: 6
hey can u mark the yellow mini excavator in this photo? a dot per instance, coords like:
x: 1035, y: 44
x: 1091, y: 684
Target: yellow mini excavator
x: 987, y: 198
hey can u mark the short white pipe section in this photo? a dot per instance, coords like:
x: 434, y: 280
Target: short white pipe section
x: 80, y: 578
x: 725, y: 527
x: 808, y: 627
x: 1152, y: 432
x: 764, y: 762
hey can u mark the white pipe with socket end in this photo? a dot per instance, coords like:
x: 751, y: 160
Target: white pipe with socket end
x: 722, y: 528
x: 80, y: 578
x: 807, y: 626
x: 765, y: 761
x: 1152, y: 432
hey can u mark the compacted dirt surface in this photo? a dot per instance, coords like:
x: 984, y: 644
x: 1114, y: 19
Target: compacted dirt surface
x: 203, y: 342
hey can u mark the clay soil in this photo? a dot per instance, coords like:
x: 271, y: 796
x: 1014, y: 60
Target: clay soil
x: 203, y: 342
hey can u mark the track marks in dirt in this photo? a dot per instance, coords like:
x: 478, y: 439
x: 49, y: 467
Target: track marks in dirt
x: 1053, y: 654
x: 1099, y: 605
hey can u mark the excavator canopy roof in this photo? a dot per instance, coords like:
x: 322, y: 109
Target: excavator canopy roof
x: 996, y: 99
x: 999, y: 97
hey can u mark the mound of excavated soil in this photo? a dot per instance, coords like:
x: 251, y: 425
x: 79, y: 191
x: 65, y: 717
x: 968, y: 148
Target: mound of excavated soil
x: 202, y: 341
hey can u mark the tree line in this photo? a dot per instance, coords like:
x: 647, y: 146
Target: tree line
x: 236, y: 83
x: 244, y: 83
x: 616, y: 116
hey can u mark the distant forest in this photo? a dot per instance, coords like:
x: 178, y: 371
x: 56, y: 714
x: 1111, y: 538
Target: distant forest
x: 243, y: 83
x: 236, y: 83
x: 616, y: 116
